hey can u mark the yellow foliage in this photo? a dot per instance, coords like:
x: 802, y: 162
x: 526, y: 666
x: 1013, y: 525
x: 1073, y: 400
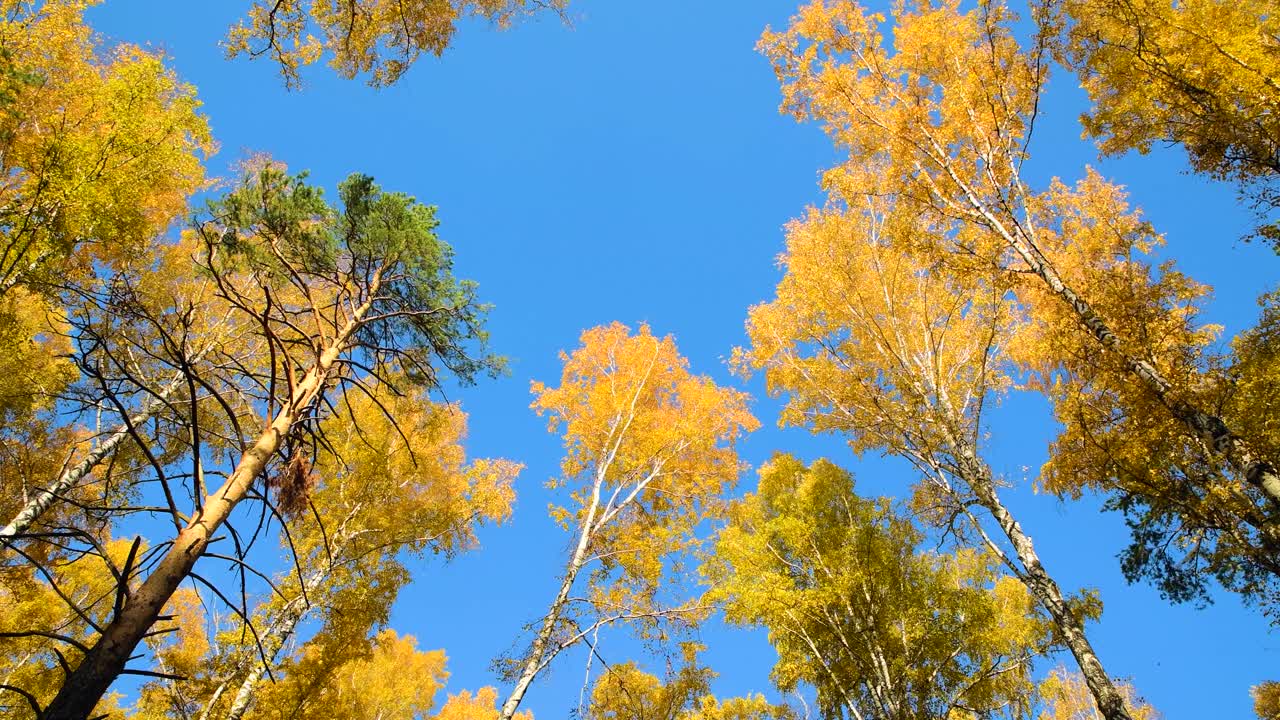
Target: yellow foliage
x: 625, y: 692
x: 853, y: 610
x: 868, y: 338
x: 935, y: 121
x: 380, y: 38
x: 658, y: 439
x: 381, y: 488
x: 1266, y: 700
x: 479, y: 706
x: 33, y: 346
x: 34, y: 369
x: 1253, y: 403
x: 183, y: 651
x: 1065, y: 696
x: 752, y: 707
x: 1201, y: 73
x: 99, y: 148
x: 29, y: 601
x: 393, y: 680
x: 939, y: 121
x: 405, y: 482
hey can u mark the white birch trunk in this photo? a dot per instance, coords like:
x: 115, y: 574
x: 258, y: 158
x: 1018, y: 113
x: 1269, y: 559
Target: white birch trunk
x: 538, y: 652
x: 71, y: 477
x: 1043, y: 587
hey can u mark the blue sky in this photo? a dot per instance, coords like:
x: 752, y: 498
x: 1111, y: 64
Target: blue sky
x: 634, y: 167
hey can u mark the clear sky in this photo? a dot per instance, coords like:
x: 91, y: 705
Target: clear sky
x: 634, y: 168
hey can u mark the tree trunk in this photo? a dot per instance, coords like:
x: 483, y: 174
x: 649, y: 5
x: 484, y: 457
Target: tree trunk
x: 1109, y: 700
x: 85, y: 686
x: 1208, y: 427
x: 277, y: 635
x: 535, y: 662
x: 71, y: 477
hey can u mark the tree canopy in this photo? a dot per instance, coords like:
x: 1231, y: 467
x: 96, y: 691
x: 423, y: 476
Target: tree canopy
x: 261, y: 459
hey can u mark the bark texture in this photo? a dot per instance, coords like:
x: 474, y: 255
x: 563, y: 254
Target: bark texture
x: 1043, y: 587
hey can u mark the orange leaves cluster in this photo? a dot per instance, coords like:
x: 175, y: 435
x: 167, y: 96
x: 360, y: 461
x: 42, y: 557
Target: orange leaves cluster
x: 627, y: 406
x: 868, y: 338
x: 398, y: 474
x: 931, y: 118
x: 97, y: 148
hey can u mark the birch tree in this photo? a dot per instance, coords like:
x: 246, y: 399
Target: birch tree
x: 649, y: 452
x: 903, y: 356
x: 941, y: 123
x: 854, y: 609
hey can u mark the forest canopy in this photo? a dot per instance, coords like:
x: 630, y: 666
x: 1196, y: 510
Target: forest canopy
x: 359, y: 361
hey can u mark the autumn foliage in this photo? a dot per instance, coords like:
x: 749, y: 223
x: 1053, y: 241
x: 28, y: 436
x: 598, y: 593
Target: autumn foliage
x: 232, y: 425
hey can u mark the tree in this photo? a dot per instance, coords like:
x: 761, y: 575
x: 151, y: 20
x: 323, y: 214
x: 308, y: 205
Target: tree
x: 902, y: 355
x: 953, y: 143
x: 649, y: 451
x: 100, y: 147
x: 941, y: 126
x: 855, y: 610
x: 390, y: 488
x: 1199, y: 73
x: 1192, y: 519
x: 1065, y: 696
x: 625, y: 692
x: 378, y: 38
x: 334, y: 293
x: 1266, y: 700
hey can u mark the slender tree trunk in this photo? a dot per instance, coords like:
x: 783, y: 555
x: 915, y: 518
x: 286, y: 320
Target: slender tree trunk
x: 537, y: 653
x: 1042, y: 585
x: 71, y: 477
x: 276, y: 636
x: 12, y: 275
x: 1210, y: 428
x: 85, y: 686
